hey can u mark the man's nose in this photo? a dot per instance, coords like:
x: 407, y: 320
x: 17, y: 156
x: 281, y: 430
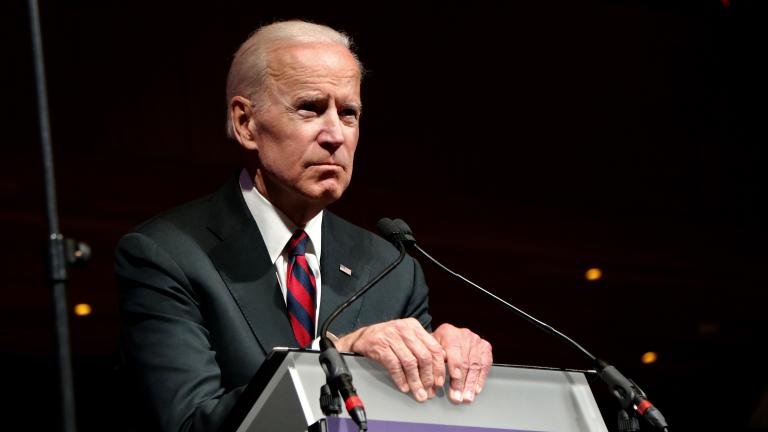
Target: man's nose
x: 332, y: 134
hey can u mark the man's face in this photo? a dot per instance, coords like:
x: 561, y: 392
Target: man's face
x: 307, y: 129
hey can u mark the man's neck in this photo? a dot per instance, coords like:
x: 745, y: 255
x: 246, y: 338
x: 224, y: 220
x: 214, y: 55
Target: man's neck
x: 298, y: 210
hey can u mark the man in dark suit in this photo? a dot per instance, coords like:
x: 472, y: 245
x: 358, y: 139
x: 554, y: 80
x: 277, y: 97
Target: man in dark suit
x: 208, y: 289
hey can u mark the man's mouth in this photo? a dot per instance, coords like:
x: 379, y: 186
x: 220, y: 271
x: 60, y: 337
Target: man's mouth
x: 326, y: 164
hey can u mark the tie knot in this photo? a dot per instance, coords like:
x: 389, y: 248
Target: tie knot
x: 297, y: 246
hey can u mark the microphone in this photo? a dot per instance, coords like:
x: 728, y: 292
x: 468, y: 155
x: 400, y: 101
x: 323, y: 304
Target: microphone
x: 339, y: 379
x: 337, y: 373
x: 626, y: 391
x: 396, y: 232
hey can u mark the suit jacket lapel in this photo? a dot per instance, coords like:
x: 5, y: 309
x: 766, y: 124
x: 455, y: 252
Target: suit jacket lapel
x: 245, y: 267
x: 338, y: 249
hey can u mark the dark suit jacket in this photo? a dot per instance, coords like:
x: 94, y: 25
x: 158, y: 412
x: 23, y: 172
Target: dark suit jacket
x: 201, y: 306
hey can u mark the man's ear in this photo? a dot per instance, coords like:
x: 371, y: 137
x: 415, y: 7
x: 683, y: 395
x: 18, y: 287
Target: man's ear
x: 241, y: 116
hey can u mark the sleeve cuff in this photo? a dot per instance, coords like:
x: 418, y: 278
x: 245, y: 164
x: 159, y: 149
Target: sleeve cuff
x: 316, y: 342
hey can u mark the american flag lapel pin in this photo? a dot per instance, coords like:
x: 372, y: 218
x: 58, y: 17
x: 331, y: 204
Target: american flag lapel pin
x: 346, y: 270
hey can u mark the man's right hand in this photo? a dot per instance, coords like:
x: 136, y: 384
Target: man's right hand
x: 414, y: 358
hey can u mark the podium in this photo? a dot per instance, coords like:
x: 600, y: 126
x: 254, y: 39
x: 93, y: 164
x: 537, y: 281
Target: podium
x: 284, y: 396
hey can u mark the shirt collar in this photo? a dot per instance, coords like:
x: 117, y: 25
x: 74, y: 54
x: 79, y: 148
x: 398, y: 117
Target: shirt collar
x: 275, y: 227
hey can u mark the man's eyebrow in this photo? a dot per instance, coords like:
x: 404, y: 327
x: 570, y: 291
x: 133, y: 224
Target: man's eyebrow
x: 309, y: 97
x: 358, y: 106
x: 321, y: 97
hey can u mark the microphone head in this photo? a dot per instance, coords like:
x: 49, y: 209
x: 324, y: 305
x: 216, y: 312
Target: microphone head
x: 395, y: 232
x: 403, y: 227
x: 388, y: 229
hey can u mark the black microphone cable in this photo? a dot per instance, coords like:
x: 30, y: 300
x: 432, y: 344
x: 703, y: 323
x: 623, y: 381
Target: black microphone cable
x: 626, y: 391
x: 337, y: 373
x: 382, y: 225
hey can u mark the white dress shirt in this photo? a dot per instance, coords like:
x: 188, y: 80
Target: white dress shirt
x: 276, y: 230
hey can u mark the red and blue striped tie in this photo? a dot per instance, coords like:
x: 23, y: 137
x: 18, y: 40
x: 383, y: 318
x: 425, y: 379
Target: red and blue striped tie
x: 301, y: 290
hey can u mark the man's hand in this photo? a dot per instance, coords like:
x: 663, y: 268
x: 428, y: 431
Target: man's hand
x: 416, y: 360
x: 413, y: 357
x: 469, y: 359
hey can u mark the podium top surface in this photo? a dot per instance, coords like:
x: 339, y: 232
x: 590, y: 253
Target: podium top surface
x: 515, y: 398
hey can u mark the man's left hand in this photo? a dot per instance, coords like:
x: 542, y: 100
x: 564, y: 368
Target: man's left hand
x: 469, y: 359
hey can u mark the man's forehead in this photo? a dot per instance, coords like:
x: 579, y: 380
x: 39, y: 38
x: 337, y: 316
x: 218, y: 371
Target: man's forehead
x: 312, y: 58
x: 314, y: 71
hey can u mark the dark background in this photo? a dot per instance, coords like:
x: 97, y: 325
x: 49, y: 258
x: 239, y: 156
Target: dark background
x: 523, y: 142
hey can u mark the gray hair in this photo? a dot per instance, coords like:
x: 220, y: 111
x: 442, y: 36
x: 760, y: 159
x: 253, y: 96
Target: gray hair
x: 248, y: 72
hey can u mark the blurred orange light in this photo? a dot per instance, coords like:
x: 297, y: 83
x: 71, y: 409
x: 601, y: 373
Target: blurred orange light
x: 83, y: 309
x: 593, y: 274
x: 649, y: 358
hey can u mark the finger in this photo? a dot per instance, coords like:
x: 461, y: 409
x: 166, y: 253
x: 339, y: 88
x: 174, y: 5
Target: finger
x: 375, y: 342
x: 438, y: 365
x: 470, y: 383
x: 457, y: 370
x: 447, y: 336
x: 487, y: 361
x: 437, y: 357
x: 392, y: 363
x: 410, y: 365
x: 413, y: 341
x: 430, y: 355
x: 426, y: 369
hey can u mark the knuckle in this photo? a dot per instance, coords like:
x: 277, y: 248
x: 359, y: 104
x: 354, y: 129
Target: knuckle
x: 388, y: 328
x: 463, y: 364
x: 425, y: 357
x: 410, y: 363
x: 400, y: 325
x: 475, y: 364
x: 389, y: 333
x: 378, y: 340
x: 396, y: 373
x: 435, y: 348
x: 393, y: 368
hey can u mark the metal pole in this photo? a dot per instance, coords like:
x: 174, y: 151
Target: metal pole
x: 57, y: 262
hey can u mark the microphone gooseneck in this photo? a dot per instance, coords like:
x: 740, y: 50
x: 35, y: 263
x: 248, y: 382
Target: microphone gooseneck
x: 337, y: 373
x: 405, y: 232
x: 382, y: 225
x: 626, y: 391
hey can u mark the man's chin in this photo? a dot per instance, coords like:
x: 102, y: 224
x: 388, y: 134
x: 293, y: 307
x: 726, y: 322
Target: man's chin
x: 327, y: 192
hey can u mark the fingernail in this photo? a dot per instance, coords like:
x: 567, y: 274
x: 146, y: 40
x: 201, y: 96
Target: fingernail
x: 440, y: 381
x: 469, y: 396
x: 421, y: 395
x: 478, y: 389
x: 405, y: 389
x: 456, y: 395
x: 456, y: 374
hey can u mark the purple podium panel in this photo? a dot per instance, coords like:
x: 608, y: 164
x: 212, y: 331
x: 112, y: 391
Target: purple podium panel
x: 341, y: 424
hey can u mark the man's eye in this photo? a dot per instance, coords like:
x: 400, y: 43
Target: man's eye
x: 350, y: 113
x: 310, y: 108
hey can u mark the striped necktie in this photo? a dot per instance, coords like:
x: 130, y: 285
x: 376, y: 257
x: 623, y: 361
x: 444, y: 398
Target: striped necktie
x: 301, y: 290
